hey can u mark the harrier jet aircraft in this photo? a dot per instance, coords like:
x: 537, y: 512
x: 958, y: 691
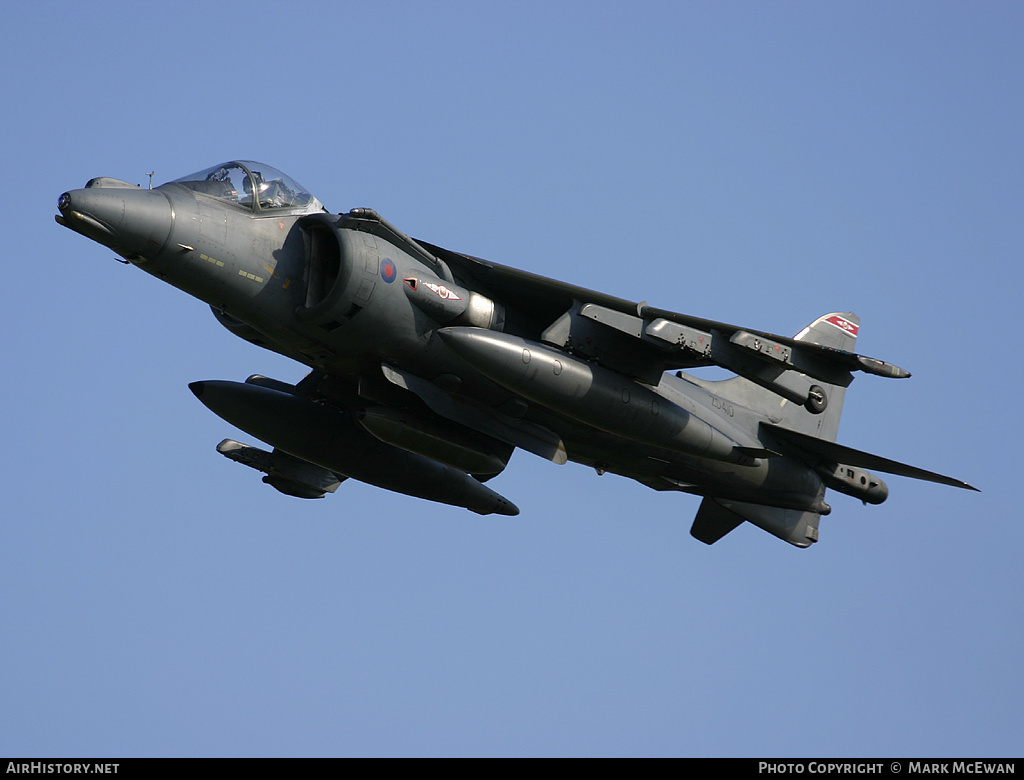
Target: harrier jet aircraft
x: 429, y: 367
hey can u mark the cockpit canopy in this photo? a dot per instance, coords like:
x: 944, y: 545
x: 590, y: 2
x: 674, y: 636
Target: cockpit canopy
x: 236, y: 182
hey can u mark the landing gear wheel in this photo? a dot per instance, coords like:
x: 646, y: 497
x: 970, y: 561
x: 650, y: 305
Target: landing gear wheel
x: 816, y: 401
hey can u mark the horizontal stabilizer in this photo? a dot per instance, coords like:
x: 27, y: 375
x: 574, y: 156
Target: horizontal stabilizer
x: 847, y: 455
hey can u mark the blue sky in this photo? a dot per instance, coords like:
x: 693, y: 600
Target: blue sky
x: 756, y: 163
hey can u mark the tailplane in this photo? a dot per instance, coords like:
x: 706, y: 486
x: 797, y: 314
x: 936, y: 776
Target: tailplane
x: 807, y: 431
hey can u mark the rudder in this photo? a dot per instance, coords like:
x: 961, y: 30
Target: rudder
x: 835, y: 331
x: 838, y: 331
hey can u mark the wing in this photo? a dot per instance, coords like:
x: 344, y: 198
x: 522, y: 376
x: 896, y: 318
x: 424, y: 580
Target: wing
x: 644, y: 341
x: 539, y: 299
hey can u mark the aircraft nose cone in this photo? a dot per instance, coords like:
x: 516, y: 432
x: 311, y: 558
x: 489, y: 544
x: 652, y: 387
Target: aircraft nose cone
x: 96, y: 217
x: 133, y: 222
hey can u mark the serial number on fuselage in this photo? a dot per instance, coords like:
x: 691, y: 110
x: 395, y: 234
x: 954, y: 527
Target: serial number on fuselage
x: 723, y: 406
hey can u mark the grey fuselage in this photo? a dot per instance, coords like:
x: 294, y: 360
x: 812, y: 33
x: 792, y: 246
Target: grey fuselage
x: 446, y: 359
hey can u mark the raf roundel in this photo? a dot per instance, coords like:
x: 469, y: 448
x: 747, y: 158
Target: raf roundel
x: 388, y: 272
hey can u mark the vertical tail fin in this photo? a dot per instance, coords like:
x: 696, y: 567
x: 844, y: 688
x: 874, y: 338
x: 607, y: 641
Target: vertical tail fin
x: 838, y: 331
x: 818, y: 418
